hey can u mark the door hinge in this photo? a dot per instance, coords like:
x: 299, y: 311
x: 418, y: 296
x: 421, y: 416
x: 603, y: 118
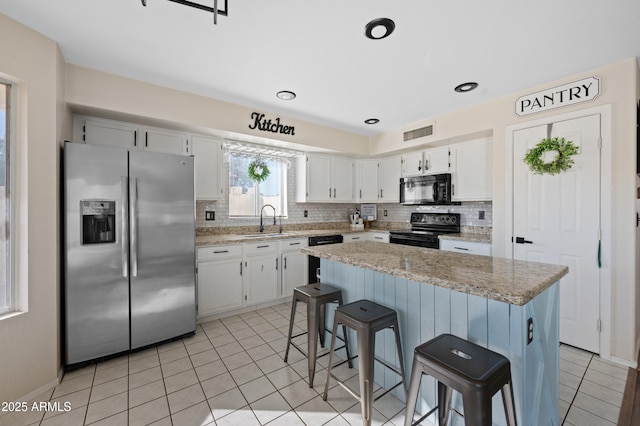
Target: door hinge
x: 599, y: 325
x: 599, y: 142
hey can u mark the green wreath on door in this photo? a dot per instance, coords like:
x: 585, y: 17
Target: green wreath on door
x: 562, y: 162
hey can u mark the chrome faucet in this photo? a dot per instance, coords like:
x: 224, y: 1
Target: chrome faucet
x: 274, y: 216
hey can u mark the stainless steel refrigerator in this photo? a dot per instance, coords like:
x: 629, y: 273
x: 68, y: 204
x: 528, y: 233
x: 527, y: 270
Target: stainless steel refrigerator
x: 130, y: 249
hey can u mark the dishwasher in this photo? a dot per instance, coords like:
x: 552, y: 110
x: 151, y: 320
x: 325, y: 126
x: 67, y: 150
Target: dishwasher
x: 314, y: 262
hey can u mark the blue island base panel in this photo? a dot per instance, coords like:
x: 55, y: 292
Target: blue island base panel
x: 426, y: 311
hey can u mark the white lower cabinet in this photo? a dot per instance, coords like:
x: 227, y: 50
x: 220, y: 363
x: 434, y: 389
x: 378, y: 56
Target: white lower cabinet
x: 219, y: 279
x: 469, y: 247
x: 381, y: 237
x: 295, y: 265
x: 261, y: 278
x: 355, y: 236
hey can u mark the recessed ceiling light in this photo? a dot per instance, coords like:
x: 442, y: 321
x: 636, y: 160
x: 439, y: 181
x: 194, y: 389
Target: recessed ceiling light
x: 379, y: 28
x: 286, y: 95
x: 372, y: 121
x: 466, y: 87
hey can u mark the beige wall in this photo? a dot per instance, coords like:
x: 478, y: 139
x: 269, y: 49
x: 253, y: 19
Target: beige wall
x: 89, y: 90
x: 29, y: 357
x: 618, y: 89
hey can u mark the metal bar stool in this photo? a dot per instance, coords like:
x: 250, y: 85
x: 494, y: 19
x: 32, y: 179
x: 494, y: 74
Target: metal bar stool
x: 457, y: 364
x: 316, y: 296
x: 366, y: 318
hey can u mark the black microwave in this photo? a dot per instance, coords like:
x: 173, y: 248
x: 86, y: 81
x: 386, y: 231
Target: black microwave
x: 429, y: 189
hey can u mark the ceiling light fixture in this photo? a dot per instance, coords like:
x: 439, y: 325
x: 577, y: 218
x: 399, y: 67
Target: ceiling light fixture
x: 215, y: 9
x: 379, y: 28
x: 466, y: 87
x: 286, y: 95
x: 371, y: 121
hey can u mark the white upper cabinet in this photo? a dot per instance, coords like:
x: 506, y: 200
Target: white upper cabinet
x: 131, y: 136
x: 207, y: 154
x: 167, y: 141
x: 428, y: 162
x: 106, y: 132
x: 342, y: 179
x: 367, y: 181
x: 378, y: 181
x: 472, y: 170
x: 389, y: 177
x: 324, y: 178
x: 436, y: 161
x: 412, y: 164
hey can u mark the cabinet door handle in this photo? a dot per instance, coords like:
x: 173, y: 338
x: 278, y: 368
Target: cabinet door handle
x: 419, y: 165
x: 334, y: 193
x: 135, y: 138
x: 276, y: 263
x: 285, y: 263
x: 378, y: 238
x: 426, y: 164
x: 453, y: 189
x: 240, y: 268
x: 294, y: 244
x: 381, y: 193
x: 265, y: 246
x: 220, y: 251
x: 461, y: 248
x: 361, y: 193
x: 146, y: 139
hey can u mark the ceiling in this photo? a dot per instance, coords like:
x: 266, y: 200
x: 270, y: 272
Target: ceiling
x: 319, y: 51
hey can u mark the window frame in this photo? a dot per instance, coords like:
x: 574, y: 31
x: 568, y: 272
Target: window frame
x: 283, y: 184
x: 10, y: 303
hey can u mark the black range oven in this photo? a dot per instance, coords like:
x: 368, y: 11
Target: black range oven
x: 425, y: 228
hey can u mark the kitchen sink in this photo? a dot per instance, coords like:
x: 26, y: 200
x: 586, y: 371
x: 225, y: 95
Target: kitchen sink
x: 277, y: 234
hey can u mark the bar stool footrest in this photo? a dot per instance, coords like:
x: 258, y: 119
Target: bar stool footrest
x: 421, y: 419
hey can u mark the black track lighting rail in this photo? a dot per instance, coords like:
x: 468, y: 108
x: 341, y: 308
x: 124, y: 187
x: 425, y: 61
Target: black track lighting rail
x: 215, y: 9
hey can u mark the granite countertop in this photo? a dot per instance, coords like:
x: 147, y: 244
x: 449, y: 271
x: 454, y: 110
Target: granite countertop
x: 505, y: 280
x: 215, y: 239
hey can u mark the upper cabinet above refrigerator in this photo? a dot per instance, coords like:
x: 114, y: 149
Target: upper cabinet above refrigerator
x: 125, y: 135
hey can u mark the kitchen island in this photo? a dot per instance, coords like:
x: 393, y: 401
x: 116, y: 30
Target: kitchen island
x: 489, y: 301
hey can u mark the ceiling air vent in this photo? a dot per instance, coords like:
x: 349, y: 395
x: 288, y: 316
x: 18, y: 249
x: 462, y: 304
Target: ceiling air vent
x: 418, y: 133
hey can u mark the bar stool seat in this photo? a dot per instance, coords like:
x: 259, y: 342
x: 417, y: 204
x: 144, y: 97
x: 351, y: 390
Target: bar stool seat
x: 366, y: 318
x: 316, y: 296
x: 457, y: 364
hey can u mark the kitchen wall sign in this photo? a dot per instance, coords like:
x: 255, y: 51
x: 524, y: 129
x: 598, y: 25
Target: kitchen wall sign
x: 266, y: 125
x: 568, y: 94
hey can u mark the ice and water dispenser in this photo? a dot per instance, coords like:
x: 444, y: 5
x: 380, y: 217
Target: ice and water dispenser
x: 98, y: 221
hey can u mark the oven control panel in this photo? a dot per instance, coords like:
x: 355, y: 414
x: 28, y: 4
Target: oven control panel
x: 435, y: 219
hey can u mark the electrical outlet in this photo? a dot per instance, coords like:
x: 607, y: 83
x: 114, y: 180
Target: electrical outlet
x: 481, y: 215
x: 210, y: 215
x: 384, y: 213
x: 306, y: 213
x: 529, y: 330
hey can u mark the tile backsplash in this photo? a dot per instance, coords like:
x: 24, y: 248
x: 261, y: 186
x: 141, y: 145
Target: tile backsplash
x: 397, y: 214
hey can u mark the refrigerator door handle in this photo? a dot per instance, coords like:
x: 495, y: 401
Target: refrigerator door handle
x: 133, y: 227
x: 125, y: 231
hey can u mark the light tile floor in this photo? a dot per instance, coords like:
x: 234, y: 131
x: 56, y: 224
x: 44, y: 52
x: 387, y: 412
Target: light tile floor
x: 232, y: 373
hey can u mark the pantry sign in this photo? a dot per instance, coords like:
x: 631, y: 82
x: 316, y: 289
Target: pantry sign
x: 568, y: 94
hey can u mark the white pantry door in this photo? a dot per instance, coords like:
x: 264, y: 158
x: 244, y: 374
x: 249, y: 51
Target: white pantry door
x: 559, y: 219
